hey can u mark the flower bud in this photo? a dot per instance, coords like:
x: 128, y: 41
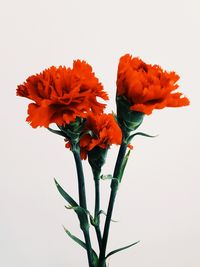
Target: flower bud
x: 96, y: 159
x: 129, y: 120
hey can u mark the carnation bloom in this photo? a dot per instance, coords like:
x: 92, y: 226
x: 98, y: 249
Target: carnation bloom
x: 62, y: 94
x: 146, y: 86
x: 105, y: 132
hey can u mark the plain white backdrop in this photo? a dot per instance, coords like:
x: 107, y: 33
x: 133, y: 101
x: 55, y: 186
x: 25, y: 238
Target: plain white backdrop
x: 159, y: 199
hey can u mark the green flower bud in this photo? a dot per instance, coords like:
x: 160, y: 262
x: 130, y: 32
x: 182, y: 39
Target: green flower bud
x: 96, y: 159
x: 129, y: 120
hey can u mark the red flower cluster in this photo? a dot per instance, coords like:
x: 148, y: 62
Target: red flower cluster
x: 62, y: 94
x: 147, y: 86
x: 105, y: 130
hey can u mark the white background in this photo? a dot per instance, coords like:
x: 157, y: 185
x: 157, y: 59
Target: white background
x: 158, y: 201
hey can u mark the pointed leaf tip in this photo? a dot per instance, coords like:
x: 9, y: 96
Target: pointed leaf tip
x: 65, y: 195
x: 120, y: 249
x: 76, y: 239
x: 142, y: 134
x: 82, y: 244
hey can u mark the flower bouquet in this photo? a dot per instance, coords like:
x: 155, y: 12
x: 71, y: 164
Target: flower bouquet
x: 69, y: 98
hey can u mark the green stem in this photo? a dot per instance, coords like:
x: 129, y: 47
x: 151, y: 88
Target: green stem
x: 82, y: 201
x: 114, y: 188
x: 81, y: 181
x: 96, y: 210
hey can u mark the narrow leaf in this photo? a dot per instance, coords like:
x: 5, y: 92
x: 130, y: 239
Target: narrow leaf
x: 106, y: 177
x: 82, y: 244
x: 92, y: 220
x: 120, y: 249
x: 83, y: 217
x: 56, y: 132
x: 125, y: 160
x: 104, y: 213
x: 142, y: 134
x: 65, y: 195
x: 76, y: 239
x: 69, y: 207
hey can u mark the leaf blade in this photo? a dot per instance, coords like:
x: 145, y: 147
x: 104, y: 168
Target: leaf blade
x: 120, y: 249
x: 82, y: 244
x: 76, y: 239
x: 124, y: 162
x: 142, y: 134
x: 65, y: 195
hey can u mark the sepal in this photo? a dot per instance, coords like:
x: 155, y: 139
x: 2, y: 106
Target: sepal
x: 129, y: 120
x: 96, y: 159
x: 56, y: 132
x: 73, y: 131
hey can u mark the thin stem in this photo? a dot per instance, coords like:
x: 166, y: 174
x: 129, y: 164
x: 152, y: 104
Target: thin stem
x: 114, y: 188
x: 81, y: 181
x: 97, y: 209
x: 82, y: 201
x: 89, y: 248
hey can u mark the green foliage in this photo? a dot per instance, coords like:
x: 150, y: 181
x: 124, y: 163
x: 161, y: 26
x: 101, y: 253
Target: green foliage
x: 120, y: 249
x: 83, y: 217
x: 65, y: 195
x: 76, y: 239
x: 106, y: 177
x: 56, y: 132
x: 81, y: 212
x: 124, y: 162
x: 140, y: 133
x: 83, y: 245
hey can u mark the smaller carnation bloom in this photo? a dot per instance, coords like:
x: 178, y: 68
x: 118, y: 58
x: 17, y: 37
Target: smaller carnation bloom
x: 61, y: 94
x: 146, y: 86
x: 105, y: 130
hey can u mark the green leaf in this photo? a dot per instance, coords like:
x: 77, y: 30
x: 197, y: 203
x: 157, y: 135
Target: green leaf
x: 92, y: 220
x: 106, y: 177
x: 65, y: 195
x: 82, y: 244
x: 83, y: 217
x: 104, y: 213
x: 69, y: 207
x: 125, y: 160
x: 120, y: 249
x: 76, y: 239
x: 142, y: 134
x: 56, y: 132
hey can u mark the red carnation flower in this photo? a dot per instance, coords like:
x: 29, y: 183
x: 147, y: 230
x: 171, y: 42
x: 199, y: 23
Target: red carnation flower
x: 147, y: 86
x: 62, y: 94
x: 105, y: 130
